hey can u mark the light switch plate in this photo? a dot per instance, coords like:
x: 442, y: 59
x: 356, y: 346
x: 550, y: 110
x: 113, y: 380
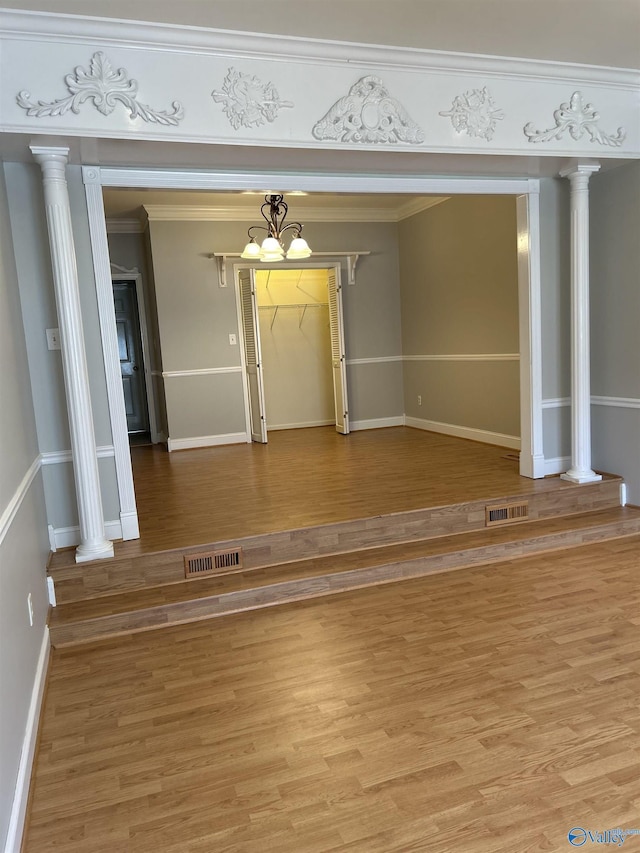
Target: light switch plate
x: 233, y: 340
x: 53, y: 338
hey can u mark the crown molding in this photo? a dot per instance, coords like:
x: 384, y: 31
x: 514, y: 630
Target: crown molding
x: 417, y: 205
x: 190, y: 213
x: 42, y: 26
x: 124, y: 226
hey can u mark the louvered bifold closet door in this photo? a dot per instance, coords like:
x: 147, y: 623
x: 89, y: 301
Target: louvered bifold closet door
x: 253, y: 358
x: 338, y: 359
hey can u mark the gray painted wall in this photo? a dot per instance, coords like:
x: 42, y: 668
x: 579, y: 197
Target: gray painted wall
x: 459, y: 292
x: 31, y: 247
x: 23, y: 543
x: 615, y: 313
x: 195, y: 317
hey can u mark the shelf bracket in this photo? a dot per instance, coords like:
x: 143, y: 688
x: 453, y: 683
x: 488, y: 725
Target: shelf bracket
x: 220, y: 262
x: 352, y: 263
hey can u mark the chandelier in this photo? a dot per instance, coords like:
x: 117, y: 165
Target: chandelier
x: 274, y: 212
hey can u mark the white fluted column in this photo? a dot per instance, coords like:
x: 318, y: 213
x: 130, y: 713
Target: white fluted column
x: 93, y: 543
x: 580, y: 471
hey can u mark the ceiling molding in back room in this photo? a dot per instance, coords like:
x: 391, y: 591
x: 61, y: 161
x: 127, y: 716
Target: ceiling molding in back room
x: 244, y: 213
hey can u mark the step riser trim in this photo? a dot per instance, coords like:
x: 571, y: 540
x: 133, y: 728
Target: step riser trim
x: 284, y: 547
x: 298, y: 590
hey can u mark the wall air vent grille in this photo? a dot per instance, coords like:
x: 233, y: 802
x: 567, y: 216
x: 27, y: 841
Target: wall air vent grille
x: 212, y: 563
x: 506, y: 513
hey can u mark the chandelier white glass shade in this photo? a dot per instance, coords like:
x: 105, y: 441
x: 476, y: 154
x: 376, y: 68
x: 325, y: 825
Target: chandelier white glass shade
x: 274, y: 212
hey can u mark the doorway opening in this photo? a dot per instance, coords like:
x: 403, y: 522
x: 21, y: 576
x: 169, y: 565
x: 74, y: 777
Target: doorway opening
x: 125, y: 303
x: 134, y: 355
x: 294, y: 349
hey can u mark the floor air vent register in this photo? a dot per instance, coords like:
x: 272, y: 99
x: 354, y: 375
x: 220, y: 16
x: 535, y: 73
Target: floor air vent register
x: 212, y: 563
x: 506, y: 513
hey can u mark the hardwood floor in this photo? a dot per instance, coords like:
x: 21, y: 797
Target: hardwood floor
x: 309, y: 477
x: 482, y: 711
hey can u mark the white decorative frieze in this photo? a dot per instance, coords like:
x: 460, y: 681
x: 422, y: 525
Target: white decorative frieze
x: 578, y: 118
x: 474, y: 113
x: 105, y: 88
x: 368, y: 114
x: 247, y: 101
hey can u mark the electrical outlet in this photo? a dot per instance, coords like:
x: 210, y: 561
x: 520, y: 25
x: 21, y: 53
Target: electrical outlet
x: 233, y: 340
x: 51, y: 591
x: 419, y: 399
x: 30, y: 608
x: 53, y: 338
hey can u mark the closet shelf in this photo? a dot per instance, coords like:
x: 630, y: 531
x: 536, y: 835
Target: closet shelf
x: 295, y: 305
x: 299, y: 305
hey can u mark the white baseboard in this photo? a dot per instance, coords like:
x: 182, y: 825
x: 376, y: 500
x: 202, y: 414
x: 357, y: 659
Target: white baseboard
x: 21, y: 796
x: 557, y: 465
x: 207, y: 440
x: 67, y: 537
x: 501, y: 439
x: 377, y: 423
x: 304, y: 425
x: 533, y: 467
x: 129, y: 525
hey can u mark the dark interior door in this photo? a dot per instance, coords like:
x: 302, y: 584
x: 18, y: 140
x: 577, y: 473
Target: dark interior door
x: 130, y: 349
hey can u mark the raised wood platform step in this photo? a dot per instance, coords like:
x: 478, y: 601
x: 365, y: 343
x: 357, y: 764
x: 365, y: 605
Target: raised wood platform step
x: 131, y: 570
x: 190, y: 601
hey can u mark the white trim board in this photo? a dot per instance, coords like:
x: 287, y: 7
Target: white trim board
x: 190, y: 179
x: 378, y: 423
x: 249, y: 213
x: 556, y: 465
x: 124, y: 226
x: 204, y: 371
x: 55, y: 457
x: 276, y: 427
x: 556, y: 402
x: 13, y: 507
x: 382, y: 359
x: 596, y: 400
x: 41, y: 26
x: 13, y: 842
x: 207, y: 440
x: 485, y: 436
x: 69, y: 537
x: 470, y: 356
x: 616, y: 402
x: 109, y: 338
x: 526, y: 189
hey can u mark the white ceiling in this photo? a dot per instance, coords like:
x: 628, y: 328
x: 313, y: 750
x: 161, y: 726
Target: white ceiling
x: 591, y: 32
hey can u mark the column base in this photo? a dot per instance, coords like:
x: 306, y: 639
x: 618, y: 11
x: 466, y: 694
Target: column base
x: 575, y: 476
x: 97, y: 551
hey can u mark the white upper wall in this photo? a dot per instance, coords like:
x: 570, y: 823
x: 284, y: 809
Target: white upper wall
x: 593, y: 32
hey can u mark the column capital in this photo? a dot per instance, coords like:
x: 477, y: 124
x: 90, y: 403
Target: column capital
x: 50, y: 153
x: 580, y: 168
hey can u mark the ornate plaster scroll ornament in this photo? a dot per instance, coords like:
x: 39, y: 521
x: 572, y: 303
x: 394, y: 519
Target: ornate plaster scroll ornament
x: 474, y: 113
x: 247, y: 101
x: 368, y: 114
x: 577, y: 118
x: 105, y: 87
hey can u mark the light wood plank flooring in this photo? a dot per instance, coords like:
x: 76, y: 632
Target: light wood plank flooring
x: 309, y: 477
x: 482, y: 711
